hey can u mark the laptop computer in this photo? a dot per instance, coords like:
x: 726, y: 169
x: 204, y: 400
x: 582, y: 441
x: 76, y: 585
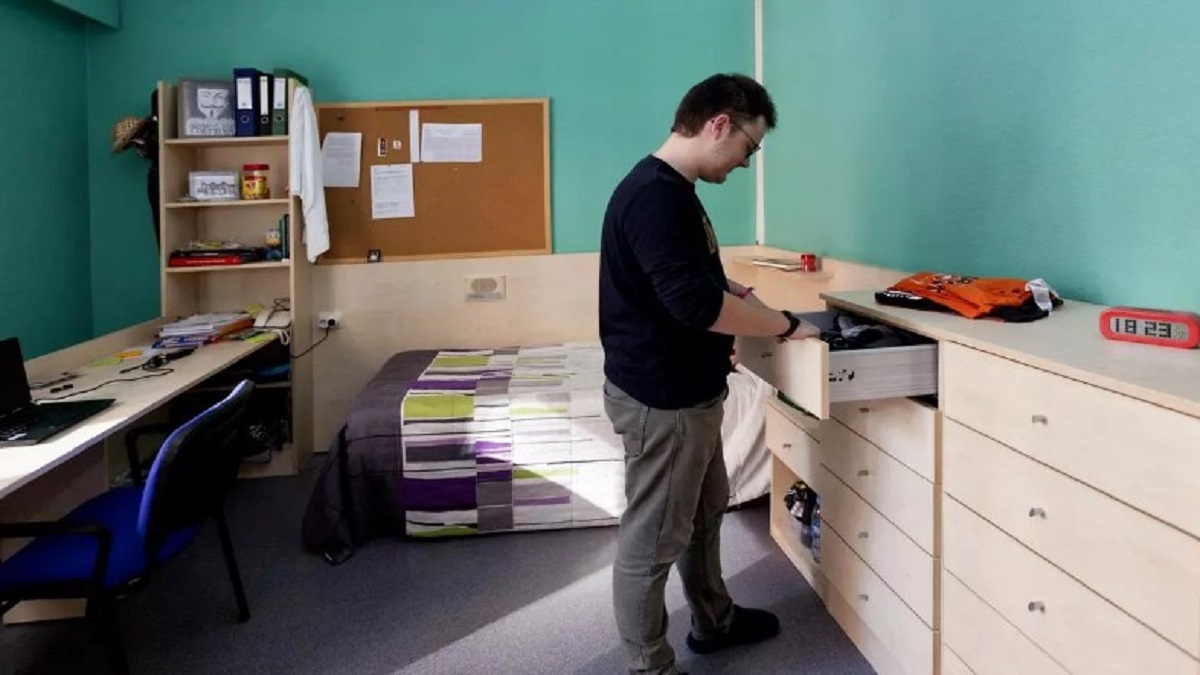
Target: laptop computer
x: 23, y: 422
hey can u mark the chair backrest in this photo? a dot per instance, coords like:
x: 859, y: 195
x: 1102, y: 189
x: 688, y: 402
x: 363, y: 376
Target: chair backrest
x: 194, y: 470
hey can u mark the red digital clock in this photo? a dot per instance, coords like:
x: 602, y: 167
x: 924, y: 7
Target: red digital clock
x: 1161, y: 327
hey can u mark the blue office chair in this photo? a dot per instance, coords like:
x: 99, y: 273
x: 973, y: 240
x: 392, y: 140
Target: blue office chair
x: 111, y: 545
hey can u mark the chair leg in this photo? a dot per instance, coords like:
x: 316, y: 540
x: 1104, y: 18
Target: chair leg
x: 102, y: 615
x: 231, y: 563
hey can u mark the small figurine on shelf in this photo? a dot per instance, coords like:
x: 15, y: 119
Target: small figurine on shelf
x: 274, y: 245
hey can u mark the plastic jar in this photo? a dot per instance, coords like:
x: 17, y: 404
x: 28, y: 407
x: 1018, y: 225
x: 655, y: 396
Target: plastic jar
x: 255, y: 183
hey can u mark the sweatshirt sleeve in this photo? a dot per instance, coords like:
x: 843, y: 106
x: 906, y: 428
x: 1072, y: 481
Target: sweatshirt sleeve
x: 664, y: 228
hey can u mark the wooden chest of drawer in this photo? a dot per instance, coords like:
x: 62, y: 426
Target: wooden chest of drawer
x: 1072, y: 624
x: 1144, y: 566
x: 1140, y: 453
x: 897, y: 492
x: 813, y: 377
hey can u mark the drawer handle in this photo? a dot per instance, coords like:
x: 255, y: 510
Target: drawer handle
x: 766, y: 355
x: 1036, y: 606
x: 1037, y: 512
x: 864, y: 597
x: 864, y: 472
x: 1040, y: 419
x: 864, y: 535
x: 864, y: 410
x: 787, y: 446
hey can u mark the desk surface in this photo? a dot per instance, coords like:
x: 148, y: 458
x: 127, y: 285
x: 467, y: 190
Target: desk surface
x: 1068, y: 342
x: 134, y: 399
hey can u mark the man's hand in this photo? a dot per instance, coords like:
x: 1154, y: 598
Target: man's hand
x: 804, y: 331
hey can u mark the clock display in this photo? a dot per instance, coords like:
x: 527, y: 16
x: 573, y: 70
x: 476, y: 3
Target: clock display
x: 1166, y: 330
x: 1162, y: 327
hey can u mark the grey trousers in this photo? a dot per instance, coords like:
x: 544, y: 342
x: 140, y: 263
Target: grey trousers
x: 676, y: 490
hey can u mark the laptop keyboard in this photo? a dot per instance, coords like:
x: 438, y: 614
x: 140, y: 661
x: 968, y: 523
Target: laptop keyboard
x: 14, y: 426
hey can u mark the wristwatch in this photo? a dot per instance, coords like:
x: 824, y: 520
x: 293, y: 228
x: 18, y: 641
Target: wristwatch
x: 793, y: 324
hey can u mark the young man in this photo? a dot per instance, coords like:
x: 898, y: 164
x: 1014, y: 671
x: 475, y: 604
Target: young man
x: 668, y: 315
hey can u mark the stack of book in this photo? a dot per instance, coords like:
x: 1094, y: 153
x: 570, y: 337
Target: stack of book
x: 200, y: 329
x: 191, y: 257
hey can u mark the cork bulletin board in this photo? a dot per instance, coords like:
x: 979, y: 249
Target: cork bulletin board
x: 499, y: 205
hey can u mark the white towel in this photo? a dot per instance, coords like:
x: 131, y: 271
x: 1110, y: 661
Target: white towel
x: 306, y: 178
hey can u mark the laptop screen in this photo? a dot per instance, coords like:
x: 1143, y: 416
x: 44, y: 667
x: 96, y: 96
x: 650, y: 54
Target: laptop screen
x: 14, y: 385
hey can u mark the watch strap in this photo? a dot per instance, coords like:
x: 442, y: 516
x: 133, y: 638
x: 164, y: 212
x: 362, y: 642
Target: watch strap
x: 793, y: 324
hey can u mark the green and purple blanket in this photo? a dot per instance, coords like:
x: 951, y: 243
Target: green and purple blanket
x: 510, y: 439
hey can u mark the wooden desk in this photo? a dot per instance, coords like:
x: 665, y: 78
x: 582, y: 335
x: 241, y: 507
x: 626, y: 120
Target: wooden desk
x: 134, y: 400
x: 46, y: 480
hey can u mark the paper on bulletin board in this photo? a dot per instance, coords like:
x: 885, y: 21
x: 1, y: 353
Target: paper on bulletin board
x: 452, y: 142
x: 341, y: 156
x: 392, y: 191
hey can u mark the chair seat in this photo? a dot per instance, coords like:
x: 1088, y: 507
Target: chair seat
x: 52, y: 559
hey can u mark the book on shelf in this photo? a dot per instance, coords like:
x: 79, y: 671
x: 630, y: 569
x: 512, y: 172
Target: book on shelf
x: 215, y: 256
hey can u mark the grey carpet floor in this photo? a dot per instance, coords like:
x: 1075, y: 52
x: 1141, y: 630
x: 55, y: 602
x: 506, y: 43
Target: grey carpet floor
x: 521, y: 603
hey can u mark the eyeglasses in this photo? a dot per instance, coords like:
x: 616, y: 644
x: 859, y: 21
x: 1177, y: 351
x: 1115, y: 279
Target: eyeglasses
x: 755, y: 146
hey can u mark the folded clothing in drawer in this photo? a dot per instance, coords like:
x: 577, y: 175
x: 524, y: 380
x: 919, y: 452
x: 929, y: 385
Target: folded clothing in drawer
x: 854, y: 332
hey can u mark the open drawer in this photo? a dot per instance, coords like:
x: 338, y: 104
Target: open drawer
x: 813, y: 375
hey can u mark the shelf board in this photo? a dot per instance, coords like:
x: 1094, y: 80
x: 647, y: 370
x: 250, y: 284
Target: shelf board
x: 232, y: 203
x: 271, y: 265
x: 217, y: 141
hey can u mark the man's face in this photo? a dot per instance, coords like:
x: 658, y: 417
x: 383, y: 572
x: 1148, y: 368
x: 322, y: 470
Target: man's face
x: 730, y: 144
x: 211, y: 101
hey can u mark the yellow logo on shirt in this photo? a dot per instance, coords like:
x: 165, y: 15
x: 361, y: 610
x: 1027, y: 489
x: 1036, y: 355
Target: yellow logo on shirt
x: 708, y: 232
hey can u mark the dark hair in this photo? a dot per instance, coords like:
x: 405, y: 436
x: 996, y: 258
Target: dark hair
x: 739, y: 96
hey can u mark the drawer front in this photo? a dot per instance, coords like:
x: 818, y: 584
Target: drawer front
x: 987, y: 643
x: 813, y: 377
x: 797, y: 368
x: 895, y: 490
x: 1139, y: 453
x: 1076, y: 627
x: 1147, y: 568
x: 902, y: 565
x: 907, y: 638
x: 793, y: 445
x: 952, y: 665
x: 902, y: 427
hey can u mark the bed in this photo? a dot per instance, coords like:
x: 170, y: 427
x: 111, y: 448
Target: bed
x: 450, y: 442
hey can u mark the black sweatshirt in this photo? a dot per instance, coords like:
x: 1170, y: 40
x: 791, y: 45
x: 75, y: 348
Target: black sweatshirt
x: 661, y: 287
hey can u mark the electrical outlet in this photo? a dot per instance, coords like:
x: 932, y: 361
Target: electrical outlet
x: 329, y: 320
x: 492, y: 287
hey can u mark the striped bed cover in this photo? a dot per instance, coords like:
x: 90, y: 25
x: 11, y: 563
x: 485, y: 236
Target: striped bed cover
x: 510, y: 439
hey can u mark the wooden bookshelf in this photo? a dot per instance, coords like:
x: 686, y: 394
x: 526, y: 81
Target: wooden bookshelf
x: 218, y: 288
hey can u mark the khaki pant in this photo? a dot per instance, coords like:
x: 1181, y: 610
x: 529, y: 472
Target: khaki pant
x: 677, y: 490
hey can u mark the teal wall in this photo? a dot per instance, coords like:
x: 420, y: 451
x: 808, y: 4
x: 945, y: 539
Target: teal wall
x: 44, y: 242
x: 614, y: 71
x: 107, y: 12
x: 1019, y: 138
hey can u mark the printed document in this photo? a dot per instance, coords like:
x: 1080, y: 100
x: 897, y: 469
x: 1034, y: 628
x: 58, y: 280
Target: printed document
x: 392, y: 191
x: 452, y: 142
x: 341, y: 156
